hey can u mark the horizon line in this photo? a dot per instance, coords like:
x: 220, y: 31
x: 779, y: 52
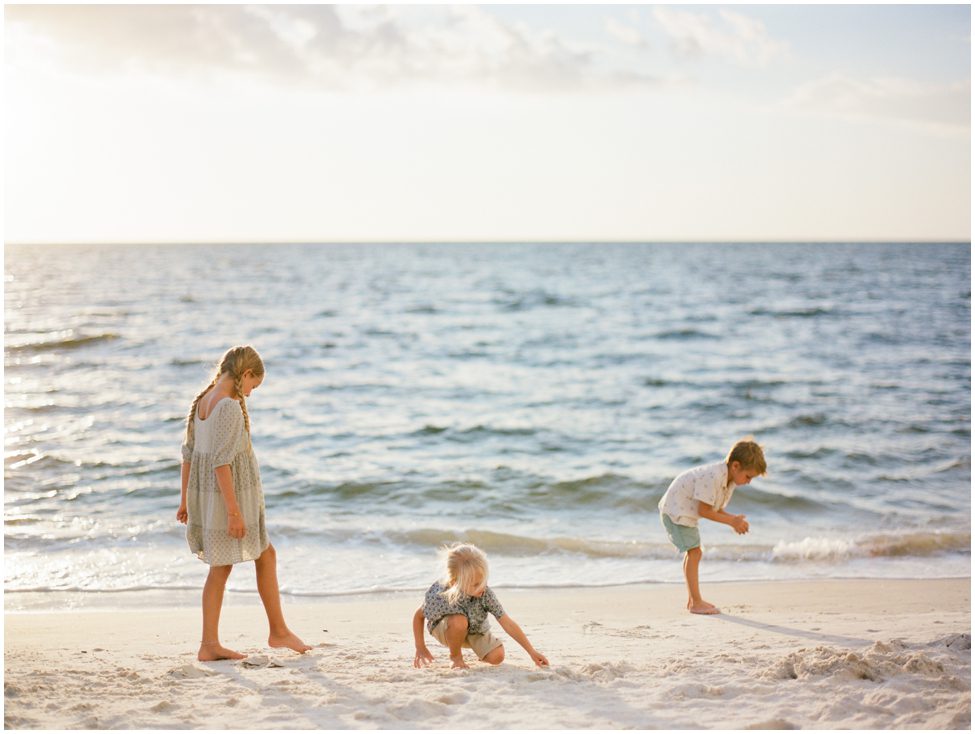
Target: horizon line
x: 757, y: 241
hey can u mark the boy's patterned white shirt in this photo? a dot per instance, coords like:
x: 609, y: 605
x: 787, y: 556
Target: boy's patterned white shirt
x: 708, y: 483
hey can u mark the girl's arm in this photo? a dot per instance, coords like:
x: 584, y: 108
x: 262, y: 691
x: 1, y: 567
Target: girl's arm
x: 423, y: 655
x: 184, y: 480
x: 235, y: 523
x: 511, y: 627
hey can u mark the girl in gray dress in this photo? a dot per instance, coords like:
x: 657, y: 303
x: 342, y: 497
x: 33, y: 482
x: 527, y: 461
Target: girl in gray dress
x: 221, y: 500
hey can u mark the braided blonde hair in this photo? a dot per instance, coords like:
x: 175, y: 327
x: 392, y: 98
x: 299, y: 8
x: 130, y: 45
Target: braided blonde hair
x: 235, y: 362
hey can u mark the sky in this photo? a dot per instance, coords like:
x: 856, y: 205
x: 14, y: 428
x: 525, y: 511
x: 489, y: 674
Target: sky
x: 314, y: 123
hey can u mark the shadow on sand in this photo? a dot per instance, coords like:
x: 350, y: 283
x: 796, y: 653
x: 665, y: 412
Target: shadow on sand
x: 793, y: 632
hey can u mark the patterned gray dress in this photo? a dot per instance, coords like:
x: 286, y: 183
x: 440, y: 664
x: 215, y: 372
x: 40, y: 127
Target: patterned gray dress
x: 221, y: 439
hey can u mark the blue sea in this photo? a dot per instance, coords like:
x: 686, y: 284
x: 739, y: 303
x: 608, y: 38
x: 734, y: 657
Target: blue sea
x: 536, y: 399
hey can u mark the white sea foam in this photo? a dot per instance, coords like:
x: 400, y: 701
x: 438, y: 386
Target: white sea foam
x: 818, y: 549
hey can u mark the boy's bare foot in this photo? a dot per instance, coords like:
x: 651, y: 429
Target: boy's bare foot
x: 215, y: 651
x: 289, y: 640
x: 702, y: 608
x: 459, y: 663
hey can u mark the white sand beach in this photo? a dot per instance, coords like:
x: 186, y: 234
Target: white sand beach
x: 865, y: 654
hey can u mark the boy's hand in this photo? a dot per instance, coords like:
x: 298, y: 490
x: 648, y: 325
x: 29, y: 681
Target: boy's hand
x: 423, y: 657
x: 740, y: 524
x: 538, y: 658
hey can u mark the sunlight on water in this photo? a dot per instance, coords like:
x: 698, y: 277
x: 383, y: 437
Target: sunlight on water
x: 537, y: 399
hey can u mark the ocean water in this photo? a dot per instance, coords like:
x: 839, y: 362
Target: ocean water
x: 535, y: 399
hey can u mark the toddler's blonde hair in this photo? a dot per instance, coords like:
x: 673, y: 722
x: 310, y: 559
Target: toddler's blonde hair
x: 235, y: 362
x: 749, y: 454
x: 464, y: 562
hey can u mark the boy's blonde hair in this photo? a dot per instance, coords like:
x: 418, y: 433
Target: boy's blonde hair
x: 749, y: 454
x: 464, y: 563
x: 235, y: 362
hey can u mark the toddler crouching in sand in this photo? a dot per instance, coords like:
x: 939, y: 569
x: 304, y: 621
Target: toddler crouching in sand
x: 705, y: 491
x: 456, y: 609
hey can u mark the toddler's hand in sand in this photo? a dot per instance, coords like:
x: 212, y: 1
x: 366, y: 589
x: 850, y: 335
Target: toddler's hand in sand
x: 423, y: 657
x: 539, y: 659
x: 181, y: 514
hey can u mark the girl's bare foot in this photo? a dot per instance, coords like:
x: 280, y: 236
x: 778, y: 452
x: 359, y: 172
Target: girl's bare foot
x: 215, y: 651
x: 290, y: 640
x: 459, y: 663
x: 702, y: 607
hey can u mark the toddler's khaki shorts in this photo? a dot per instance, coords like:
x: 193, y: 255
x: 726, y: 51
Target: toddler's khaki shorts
x: 480, y: 644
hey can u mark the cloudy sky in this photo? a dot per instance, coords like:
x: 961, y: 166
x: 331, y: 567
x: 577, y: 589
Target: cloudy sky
x: 139, y: 123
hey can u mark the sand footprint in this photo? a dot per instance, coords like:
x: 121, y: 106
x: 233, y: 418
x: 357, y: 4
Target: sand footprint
x: 454, y: 699
x: 189, y: 671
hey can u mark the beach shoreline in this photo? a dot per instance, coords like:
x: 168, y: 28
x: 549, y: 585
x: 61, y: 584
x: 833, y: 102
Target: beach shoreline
x: 863, y: 653
x: 151, y: 600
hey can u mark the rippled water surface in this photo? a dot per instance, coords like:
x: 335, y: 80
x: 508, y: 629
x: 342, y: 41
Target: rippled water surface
x: 535, y: 399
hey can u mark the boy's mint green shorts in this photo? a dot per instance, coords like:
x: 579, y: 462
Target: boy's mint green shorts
x: 684, y: 537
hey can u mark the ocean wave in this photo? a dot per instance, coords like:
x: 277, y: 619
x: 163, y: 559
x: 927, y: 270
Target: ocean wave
x: 819, y: 550
x: 807, y: 419
x: 534, y: 299
x: 596, y: 481
x: 920, y: 544
x: 681, y: 334
x: 793, y: 313
x: 818, y: 453
x: 656, y: 381
x: 472, y: 431
x: 39, y: 460
x: 875, y: 546
x: 755, y: 383
x: 736, y: 386
x: 371, y: 491
x: 66, y: 342
x: 28, y: 519
x: 18, y: 461
x: 609, y: 491
x: 349, y: 490
x: 754, y: 497
x: 964, y: 462
x: 917, y: 473
x: 509, y: 544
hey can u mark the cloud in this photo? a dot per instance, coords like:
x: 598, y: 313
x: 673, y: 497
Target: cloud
x: 624, y: 33
x: 735, y: 36
x: 327, y: 47
x: 905, y: 100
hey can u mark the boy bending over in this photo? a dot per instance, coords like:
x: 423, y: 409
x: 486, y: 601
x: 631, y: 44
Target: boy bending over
x: 705, y: 491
